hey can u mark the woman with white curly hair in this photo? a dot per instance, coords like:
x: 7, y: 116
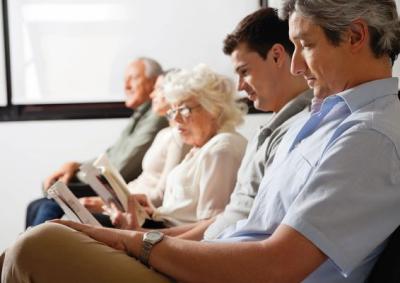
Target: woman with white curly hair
x: 204, y: 113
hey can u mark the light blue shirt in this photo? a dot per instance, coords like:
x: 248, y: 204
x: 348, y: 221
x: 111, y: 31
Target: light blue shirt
x: 336, y: 181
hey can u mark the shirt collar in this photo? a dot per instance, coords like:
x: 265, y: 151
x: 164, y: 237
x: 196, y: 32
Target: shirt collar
x: 290, y: 109
x: 363, y: 94
x: 141, y: 110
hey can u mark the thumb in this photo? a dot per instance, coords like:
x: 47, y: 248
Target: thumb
x: 132, y: 204
x: 65, y: 178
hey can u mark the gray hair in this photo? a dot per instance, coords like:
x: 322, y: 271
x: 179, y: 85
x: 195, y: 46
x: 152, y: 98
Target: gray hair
x: 152, y: 68
x: 214, y: 92
x: 335, y: 16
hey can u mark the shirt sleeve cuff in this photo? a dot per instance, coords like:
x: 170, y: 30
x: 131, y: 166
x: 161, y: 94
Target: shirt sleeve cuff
x: 332, y: 251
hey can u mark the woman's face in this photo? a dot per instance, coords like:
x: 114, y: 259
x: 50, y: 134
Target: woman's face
x: 195, y: 125
x: 159, y: 104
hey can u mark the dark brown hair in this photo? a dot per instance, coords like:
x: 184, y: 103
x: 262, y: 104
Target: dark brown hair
x: 260, y: 31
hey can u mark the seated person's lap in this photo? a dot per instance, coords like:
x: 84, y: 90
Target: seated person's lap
x: 40, y: 247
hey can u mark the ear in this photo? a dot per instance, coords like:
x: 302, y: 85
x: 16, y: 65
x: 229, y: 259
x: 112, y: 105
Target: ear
x: 277, y: 54
x: 358, y: 35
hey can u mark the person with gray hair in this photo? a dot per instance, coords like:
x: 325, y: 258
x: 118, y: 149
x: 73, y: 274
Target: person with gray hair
x: 152, y: 68
x: 335, y: 19
x: 205, y: 115
x: 127, y: 152
x: 325, y: 213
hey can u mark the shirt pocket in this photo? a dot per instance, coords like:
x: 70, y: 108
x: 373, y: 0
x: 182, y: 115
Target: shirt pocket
x: 305, y: 163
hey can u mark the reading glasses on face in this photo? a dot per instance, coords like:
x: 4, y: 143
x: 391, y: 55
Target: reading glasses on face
x: 183, y: 110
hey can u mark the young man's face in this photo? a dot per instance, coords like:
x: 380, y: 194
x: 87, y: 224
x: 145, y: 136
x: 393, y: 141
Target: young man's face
x: 324, y: 66
x: 257, y: 77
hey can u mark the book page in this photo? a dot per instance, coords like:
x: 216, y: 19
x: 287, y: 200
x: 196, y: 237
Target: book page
x: 114, y: 178
x: 74, y: 210
x: 105, y: 179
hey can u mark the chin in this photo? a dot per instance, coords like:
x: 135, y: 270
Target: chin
x: 129, y: 103
x: 261, y: 107
x: 159, y: 111
x: 187, y: 140
x: 132, y: 104
x: 322, y: 93
x: 257, y: 105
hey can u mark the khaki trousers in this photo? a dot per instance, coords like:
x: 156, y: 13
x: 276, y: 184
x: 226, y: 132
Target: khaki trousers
x: 52, y: 253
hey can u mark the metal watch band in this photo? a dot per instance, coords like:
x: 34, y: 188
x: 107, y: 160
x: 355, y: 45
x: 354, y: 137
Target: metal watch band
x: 150, y: 239
x: 145, y: 253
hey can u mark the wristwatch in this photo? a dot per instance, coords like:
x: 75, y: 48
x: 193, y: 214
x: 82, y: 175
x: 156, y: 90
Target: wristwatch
x: 150, y: 239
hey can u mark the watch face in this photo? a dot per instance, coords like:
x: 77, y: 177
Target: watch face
x: 153, y: 236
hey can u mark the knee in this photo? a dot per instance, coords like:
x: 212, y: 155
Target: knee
x: 35, y: 204
x: 39, y: 237
x: 28, y: 252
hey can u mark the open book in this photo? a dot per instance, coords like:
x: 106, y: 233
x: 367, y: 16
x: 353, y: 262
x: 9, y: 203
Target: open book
x: 108, y: 183
x: 73, y: 209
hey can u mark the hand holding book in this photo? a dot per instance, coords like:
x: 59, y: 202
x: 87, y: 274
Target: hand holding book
x: 128, y: 220
x: 93, y: 204
x: 145, y: 202
x: 112, y: 189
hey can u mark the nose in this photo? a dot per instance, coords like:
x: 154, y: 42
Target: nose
x: 298, y: 65
x: 128, y: 85
x: 177, y: 117
x: 240, y: 84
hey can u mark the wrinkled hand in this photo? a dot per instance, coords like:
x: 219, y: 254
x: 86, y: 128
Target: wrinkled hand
x: 114, y: 238
x: 64, y: 174
x: 93, y: 204
x: 124, y: 220
x: 144, y: 201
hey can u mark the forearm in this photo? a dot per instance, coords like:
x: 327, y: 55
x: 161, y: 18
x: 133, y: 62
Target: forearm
x: 197, y: 231
x: 229, y: 260
x: 210, y: 262
x: 178, y: 230
x: 286, y: 257
x: 194, y: 232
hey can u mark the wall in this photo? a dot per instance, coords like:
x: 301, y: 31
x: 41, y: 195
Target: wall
x: 30, y: 151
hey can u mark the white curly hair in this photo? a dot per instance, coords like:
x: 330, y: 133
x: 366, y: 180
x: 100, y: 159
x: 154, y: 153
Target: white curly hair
x: 214, y: 92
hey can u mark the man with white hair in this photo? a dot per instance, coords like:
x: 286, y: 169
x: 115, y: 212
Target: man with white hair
x: 127, y: 152
x: 332, y: 201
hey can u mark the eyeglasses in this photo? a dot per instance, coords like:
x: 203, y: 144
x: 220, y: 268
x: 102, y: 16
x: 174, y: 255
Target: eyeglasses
x: 183, y: 110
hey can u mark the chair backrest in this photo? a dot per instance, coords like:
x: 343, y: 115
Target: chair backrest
x: 387, y: 268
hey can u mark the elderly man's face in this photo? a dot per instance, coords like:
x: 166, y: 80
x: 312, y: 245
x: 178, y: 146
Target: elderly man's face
x: 137, y: 86
x: 257, y: 77
x: 325, y: 67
